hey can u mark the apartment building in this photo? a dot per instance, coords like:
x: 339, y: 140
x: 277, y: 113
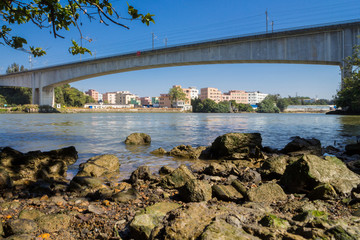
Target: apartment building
x: 145, y: 101
x: 164, y: 100
x: 94, y: 94
x: 109, y: 97
x: 256, y: 97
x: 211, y: 93
x: 125, y: 97
x: 239, y: 96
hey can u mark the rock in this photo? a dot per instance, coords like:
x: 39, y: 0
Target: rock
x: 36, y: 165
x: 267, y: 192
x: 138, y: 139
x: 96, y: 209
x: 351, y: 149
x: 273, y: 221
x: 301, y: 145
x: 323, y: 191
x: 274, y: 167
x: 159, y: 151
x: 186, y: 223
x: 144, y: 222
x: 86, y: 184
x: 5, y: 180
x: 226, y: 193
x: 311, y: 215
x: 20, y: 237
x: 54, y: 222
x: 106, y: 165
x: 125, y: 196
x: 196, y: 191
x: 220, y: 229
x: 240, y: 187
x: 340, y: 233
x: 30, y: 214
x: 216, y: 169
x: 250, y: 176
x: 186, y: 151
x: 164, y: 170
x: 178, y: 178
x: 9, y: 155
x: 235, y: 145
x: 198, y: 167
x: 1, y: 230
x: 141, y: 173
x: 21, y: 226
x: 310, y: 171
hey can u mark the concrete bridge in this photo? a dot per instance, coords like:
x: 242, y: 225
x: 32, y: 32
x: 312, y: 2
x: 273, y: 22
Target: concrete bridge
x: 327, y: 45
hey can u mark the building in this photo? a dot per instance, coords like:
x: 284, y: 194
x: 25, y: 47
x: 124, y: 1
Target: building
x: 94, y: 94
x: 194, y: 92
x: 125, y: 97
x: 164, y: 100
x: 145, y: 101
x: 211, y: 93
x: 238, y: 96
x: 256, y: 97
x: 155, y: 101
x: 109, y: 97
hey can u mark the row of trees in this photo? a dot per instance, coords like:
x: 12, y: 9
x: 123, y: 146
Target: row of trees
x: 210, y: 106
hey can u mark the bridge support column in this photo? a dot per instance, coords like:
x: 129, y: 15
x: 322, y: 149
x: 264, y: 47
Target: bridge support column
x: 47, y: 96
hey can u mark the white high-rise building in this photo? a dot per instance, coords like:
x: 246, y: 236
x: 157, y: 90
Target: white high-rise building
x: 194, y: 92
x: 256, y: 97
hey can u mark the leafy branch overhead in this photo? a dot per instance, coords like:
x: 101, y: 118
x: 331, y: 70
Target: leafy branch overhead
x: 57, y: 15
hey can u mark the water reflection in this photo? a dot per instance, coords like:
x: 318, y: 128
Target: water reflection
x: 94, y: 134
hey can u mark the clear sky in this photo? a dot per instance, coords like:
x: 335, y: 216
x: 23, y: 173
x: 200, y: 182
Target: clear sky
x: 185, y: 21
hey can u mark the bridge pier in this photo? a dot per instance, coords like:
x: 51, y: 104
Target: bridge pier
x: 45, y: 96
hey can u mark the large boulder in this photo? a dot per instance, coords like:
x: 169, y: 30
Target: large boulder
x: 186, y: 223
x: 235, y: 146
x: 178, y: 178
x: 5, y: 180
x: 274, y: 167
x: 227, y: 193
x: 220, y: 229
x: 146, y: 220
x: 352, y: 149
x: 310, y: 171
x: 267, y: 192
x: 106, y: 165
x: 196, y: 191
x: 300, y: 145
x: 138, y: 139
x: 21, y: 226
x: 141, y: 173
x: 186, y: 151
x: 36, y: 165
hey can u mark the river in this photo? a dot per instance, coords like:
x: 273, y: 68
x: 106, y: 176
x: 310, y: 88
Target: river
x: 100, y: 133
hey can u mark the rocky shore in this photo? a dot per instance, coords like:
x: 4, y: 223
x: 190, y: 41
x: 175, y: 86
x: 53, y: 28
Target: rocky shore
x: 240, y: 190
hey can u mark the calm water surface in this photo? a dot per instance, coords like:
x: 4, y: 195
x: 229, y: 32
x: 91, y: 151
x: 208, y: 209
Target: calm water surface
x: 94, y: 134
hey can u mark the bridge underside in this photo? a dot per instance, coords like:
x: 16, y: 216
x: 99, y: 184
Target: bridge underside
x: 327, y: 46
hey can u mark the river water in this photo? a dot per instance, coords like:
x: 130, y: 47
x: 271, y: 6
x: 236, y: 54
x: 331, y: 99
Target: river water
x: 99, y: 133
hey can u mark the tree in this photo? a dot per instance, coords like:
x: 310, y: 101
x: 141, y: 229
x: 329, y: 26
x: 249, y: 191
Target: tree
x: 58, y: 16
x: 268, y: 105
x: 282, y: 104
x: 15, y: 95
x: 348, y: 97
x: 13, y: 68
x: 71, y: 97
x: 177, y: 94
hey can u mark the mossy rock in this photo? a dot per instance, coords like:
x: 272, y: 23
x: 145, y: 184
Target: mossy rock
x: 308, y: 216
x: 138, y: 139
x: 178, y: 178
x: 273, y: 221
x: 340, y: 233
x: 310, y: 171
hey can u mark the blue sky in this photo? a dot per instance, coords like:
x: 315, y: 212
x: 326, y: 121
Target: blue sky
x: 186, y: 21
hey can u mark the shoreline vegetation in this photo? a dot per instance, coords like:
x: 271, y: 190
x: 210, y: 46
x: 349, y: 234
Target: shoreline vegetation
x: 46, y: 109
x: 234, y: 189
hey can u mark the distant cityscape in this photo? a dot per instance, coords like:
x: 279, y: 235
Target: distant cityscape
x: 126, y: 99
